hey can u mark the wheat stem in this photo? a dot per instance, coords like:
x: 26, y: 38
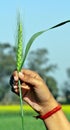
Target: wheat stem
x: 19, y: 58
x: 21, y: 104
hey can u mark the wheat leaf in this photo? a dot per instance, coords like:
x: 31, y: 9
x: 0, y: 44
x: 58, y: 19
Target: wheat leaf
x: 32, y: 39
x: 60, y: 24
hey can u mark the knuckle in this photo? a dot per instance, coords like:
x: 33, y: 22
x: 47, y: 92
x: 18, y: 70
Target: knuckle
x: 14, y: 73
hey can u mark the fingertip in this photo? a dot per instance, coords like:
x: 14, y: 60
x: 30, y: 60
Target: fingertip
x: 15, y: 91
x: 15, y: 87
x: 21, y: 75
x: 16, y: 78
x: 15, y: 73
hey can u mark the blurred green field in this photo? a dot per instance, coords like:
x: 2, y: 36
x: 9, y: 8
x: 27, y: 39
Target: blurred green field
x: 10, y: 118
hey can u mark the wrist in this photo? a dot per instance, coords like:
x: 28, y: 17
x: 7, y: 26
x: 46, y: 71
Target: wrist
x: 49, y: 105
x: 50, y: 113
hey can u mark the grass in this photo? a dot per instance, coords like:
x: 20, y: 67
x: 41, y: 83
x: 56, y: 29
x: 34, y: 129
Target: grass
x: 10, y: 118
x: 14, y: 123
x: 66, y: 109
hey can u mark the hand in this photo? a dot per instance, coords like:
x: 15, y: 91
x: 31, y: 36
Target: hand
x: 34, y: 90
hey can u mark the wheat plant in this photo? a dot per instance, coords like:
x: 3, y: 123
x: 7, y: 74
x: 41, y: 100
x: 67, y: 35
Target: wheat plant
x: 21, y: 56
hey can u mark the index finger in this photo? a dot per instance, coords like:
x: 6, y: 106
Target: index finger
x: 28, y: 79
x: 31, y: 73
x: 15, y: 75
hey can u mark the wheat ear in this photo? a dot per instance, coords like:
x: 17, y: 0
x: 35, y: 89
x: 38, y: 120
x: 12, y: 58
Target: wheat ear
x: 19, y: 54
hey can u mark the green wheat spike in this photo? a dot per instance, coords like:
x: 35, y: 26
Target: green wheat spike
x: 19, y: 46
x: 19, y: 54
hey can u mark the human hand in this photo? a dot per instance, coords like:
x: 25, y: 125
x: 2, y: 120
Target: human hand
x: 34, y: 90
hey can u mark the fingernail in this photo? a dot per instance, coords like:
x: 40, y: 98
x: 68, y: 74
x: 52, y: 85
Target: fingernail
x: 15, y: 87
x: 20, y: 74
x: 15, y: 78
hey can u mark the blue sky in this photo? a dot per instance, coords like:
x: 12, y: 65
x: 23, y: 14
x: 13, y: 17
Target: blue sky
x: 38, y: 15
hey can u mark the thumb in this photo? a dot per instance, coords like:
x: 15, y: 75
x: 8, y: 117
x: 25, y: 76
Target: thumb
x: 29, y: 79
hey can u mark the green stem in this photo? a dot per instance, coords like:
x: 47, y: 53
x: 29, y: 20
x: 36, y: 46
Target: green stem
x: 21, y: 104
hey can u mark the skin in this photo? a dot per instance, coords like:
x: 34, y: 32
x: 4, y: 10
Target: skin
x: 36, y: 93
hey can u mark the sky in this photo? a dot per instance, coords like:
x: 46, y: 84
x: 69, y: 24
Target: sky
x: 36, y: 16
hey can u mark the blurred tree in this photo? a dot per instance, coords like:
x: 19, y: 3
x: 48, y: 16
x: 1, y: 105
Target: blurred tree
x: 38, y: 61
x: 7, y: 65
x: 66, y: 88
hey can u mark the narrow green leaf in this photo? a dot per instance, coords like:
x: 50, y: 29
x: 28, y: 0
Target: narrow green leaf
x: 32, y: 39
x: 60, y: 24
x: 30, y: 43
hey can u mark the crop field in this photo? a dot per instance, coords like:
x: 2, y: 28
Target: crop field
x: 10, y: 118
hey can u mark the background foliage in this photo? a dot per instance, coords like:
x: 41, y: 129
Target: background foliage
x: 38, y: 60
